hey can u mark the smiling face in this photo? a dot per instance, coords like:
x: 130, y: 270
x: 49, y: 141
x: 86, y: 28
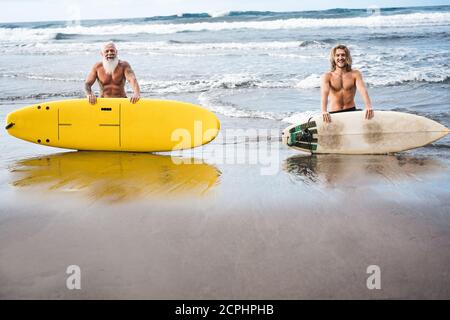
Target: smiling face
x: 109, y: 52
x: 109, y: 56
x: 340, y: 58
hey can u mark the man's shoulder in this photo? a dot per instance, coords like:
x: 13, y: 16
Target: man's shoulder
x: 356, y: 72
x: 326, y: 75
x: 97, y: 65
x: 124, y: 63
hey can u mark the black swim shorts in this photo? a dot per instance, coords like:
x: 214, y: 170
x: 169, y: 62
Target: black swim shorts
x: 346, y: 110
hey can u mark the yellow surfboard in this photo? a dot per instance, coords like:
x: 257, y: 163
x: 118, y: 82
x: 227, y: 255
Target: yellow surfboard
x: 115, y: 125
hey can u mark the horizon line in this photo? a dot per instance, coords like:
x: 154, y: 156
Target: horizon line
x: 228, y: 11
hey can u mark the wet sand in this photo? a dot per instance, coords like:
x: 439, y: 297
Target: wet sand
x: 142, y: 227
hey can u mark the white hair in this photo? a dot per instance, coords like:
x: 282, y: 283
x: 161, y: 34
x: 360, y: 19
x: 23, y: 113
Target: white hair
x: 108, y: 44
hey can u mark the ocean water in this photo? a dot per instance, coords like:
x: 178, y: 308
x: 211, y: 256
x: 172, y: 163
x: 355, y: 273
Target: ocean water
x: 257, y: 221
x: 253, y: 69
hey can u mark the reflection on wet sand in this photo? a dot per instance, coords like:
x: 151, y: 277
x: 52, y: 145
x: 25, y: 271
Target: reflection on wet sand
x: 358, y: 170
x: 115, y: 176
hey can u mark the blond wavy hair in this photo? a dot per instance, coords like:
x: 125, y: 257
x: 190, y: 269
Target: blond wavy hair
x: 348, y: 58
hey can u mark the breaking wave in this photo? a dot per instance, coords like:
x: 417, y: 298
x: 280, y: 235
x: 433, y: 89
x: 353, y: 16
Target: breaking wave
x: 376, y: 21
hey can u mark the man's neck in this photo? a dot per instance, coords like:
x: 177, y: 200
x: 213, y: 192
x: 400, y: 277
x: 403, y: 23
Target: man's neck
x: 340, y: 71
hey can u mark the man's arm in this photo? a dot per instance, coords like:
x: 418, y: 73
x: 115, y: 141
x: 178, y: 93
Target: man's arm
x: 365, y: 95
x: 325, y: 91
x: 131, y: 78
x: 90, y: 80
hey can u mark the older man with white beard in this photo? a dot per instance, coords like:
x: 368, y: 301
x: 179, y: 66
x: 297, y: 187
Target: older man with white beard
x: 111, y: 74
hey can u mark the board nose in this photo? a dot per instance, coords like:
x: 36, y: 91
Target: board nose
x: 10, y: 122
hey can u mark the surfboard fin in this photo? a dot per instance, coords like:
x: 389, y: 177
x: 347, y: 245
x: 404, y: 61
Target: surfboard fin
x: 9, y: 125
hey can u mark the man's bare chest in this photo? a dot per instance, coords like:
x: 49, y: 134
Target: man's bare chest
x: 117, y: 77
x: 342, y: 83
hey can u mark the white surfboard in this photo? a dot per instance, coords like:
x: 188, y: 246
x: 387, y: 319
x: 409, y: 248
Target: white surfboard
x: 350, y: 133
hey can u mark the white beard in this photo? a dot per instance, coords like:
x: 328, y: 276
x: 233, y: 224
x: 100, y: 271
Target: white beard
x: 110, y: 65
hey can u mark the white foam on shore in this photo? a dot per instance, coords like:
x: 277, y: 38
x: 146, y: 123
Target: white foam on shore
x: 246, y: 81
x: 213, y: 103
x: 301, y: 117
x: 146, y: 47
x: 311, y: 81
x: 221, y: 81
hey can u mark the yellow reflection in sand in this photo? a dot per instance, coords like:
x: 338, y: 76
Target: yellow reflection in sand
x: 358, y: 170
x: 116, y: 176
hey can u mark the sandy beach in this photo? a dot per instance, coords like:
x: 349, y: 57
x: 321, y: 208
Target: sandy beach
x: 243, y: 217
x: 140, y: 226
